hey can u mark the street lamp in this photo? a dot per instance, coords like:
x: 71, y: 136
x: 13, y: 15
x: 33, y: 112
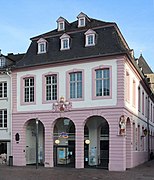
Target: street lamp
x: 87, y: 141
x: 37, y: 121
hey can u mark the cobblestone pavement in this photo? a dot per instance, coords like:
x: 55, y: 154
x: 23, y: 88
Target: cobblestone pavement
x: 142, y: 172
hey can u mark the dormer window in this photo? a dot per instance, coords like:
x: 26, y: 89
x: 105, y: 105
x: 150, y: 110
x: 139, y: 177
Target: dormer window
x: 90, y: 38
x: 61, y: 24
x: 65, y: 42
x: 2, y: 62
x: 42, y: 46
x: 82, y: 19
x: 81, y: 22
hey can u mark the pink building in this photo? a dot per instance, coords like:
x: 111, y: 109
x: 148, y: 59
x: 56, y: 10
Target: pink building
x: 81, y: 86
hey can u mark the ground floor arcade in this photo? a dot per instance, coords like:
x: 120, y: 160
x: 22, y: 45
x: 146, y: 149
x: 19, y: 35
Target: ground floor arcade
x: 79, y: 139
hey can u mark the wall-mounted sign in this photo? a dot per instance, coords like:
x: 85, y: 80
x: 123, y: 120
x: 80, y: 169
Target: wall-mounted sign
x: 63, y: 135
x: 17, y: 137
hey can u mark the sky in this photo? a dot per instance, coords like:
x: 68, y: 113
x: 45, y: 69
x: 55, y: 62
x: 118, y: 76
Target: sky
x: 21, y: 20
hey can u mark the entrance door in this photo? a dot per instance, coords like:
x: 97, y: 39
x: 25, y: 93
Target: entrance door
x: 65, y: 155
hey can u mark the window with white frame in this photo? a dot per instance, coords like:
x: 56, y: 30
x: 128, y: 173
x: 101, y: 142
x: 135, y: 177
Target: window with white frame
x: 42, y: 46
x: 127, y: 86
x: 3, y: 89
x: 61, y: 26
x: 81, y: 22
x: 51, y: 87
x: 90, y: 38
x: 2, y: 62
x: 75, y: 85
x: 29, y: 89
x: 102, y: 82
x: 65, y: 42
x: 134, y: 93
x: 139, y: 99
x: 143, y: 101
x: 3, y: 118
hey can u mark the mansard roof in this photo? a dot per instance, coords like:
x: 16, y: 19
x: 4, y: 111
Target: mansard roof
x: 109, y: 42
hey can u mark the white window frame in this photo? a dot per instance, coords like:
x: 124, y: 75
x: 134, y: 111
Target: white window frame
x: 61, y: 26
x: 29, y: 90
x: 2, y: 62
x: 90, y: 34
x: 76, y: 85
x: 3, y: 119
x: 51, y: 87
x: 81, y: 22
x: 42, y: 42
x: 3, y: 90
x: 65, y: 38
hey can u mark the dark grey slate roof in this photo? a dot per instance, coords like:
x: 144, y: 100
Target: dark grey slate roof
x: 15, y: 57
x: 109, y: 42
x: 143, y: 64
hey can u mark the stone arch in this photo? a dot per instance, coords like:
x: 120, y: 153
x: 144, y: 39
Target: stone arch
x: 30, y: 149
x: 128, y: 143
x: 64, y: 142
x: 96, y: 150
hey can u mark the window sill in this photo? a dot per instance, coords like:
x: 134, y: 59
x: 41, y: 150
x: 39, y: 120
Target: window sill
x: 89, y: 45
x: 4, y: 98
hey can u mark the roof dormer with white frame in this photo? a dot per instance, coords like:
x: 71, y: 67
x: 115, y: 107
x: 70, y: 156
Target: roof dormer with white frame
x: 42, y: 46
x: 82, y: 19
x: 90, y: 39
x: 65, y: 42
x: 61, y: 24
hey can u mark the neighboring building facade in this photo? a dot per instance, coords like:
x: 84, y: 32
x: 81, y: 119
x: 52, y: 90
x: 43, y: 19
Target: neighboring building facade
x: 83, y: 85
x: 5, y: 105
x: 147, y: 71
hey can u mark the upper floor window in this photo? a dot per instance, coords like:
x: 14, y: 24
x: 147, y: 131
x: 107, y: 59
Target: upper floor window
x: 139, y: 99
x: 42, y: 46
x: 61, y: 24
x: 102, y: 82
x: 82, y: 18
x: 65, y: 42
x: 143, y: 103
x: 3, y: 118
x: 29, y: 89
x: 134, y: 93
x: 75, y: 85
x: 51, y: 87
x: 2, y: 62
x: 3, y: 89
x: 90, y: 38
x: 82, y: 22
x: 127, y: 86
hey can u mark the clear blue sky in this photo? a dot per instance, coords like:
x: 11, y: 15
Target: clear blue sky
x: 23, y: 19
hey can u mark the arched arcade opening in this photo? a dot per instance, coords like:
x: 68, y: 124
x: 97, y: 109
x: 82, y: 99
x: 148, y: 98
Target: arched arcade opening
x: 96, y: 145
x: 64, y: 143
x: 31, y: 142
